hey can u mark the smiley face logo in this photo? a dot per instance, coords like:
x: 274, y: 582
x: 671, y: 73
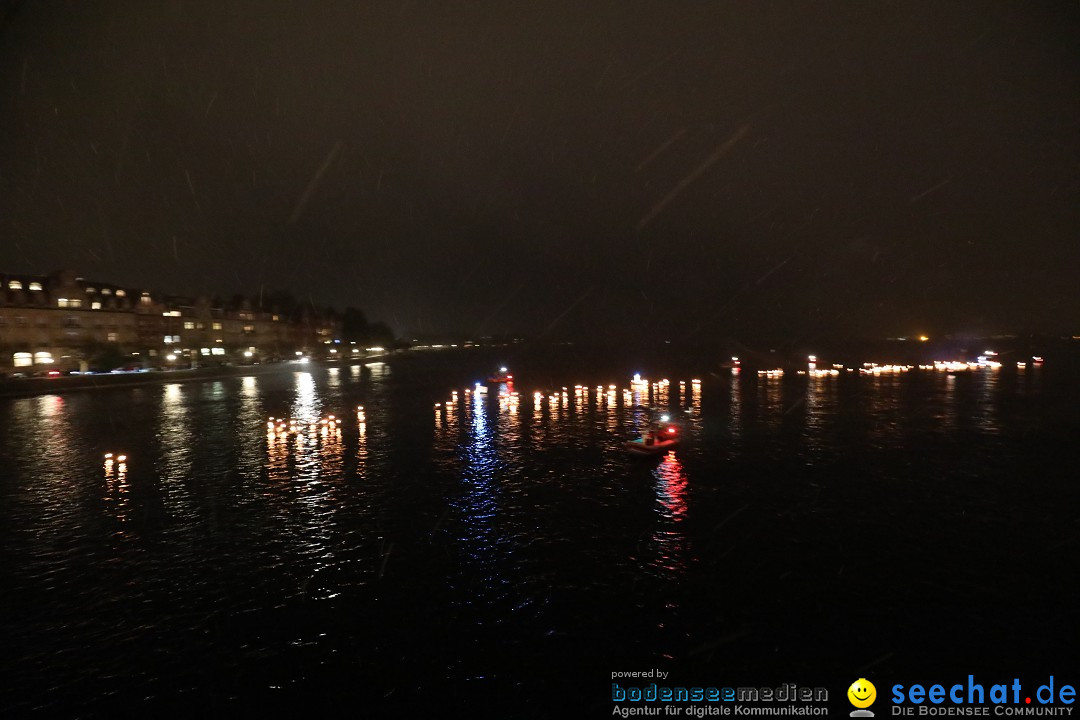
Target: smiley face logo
x: 862, y: 693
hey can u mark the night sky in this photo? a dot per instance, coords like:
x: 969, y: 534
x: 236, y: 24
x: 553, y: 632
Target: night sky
x: 565, y: 169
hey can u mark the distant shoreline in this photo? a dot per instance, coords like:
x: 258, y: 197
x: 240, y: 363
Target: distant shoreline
x: 32, y: 387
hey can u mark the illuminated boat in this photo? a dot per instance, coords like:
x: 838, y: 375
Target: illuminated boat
x: 652, y: 443
x: 501, y: 377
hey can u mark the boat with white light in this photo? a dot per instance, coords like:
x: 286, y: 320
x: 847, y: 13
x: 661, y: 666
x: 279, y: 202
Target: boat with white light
x: 653, y: 442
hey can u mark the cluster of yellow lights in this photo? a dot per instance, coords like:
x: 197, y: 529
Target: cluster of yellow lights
x: 950, y: 366
x: 819, y: 373
x: 115, y: 463
x: 280, y: 428
x: 875, y: 369
x: 959, y: 365
x: 774, y: 373
x: 562, y: 397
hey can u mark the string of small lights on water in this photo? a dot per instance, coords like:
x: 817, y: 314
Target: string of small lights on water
x: 649, y: 397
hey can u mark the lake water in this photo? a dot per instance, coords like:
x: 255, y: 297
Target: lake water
x: 506, y: 554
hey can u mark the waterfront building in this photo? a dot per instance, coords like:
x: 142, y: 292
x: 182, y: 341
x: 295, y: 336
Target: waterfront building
x: 63, y: 322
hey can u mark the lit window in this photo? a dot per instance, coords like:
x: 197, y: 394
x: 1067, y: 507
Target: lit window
x: 61, y: 302
x: 169, y: 339
x: 218, y: 351
x: 42, y: 358
x: 75, y: 303
x: 96, y: 305
x: 111, y: 337
x: 35, y: 286
x: 91, y: 290
x: 145, y: 299
x: 23, y: 359
x: 120, y: 293
x: 106, y: 291
x: 189, y: 325
x: 14, y: 285
x: 249, y: 328
x: 217, y: 326
x: 171, y: 313
x: 276, y: 318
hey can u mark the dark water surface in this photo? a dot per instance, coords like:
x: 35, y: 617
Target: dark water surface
x: 504, y: 556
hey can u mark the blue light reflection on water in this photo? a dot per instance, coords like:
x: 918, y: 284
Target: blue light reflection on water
x: 478, y: 504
